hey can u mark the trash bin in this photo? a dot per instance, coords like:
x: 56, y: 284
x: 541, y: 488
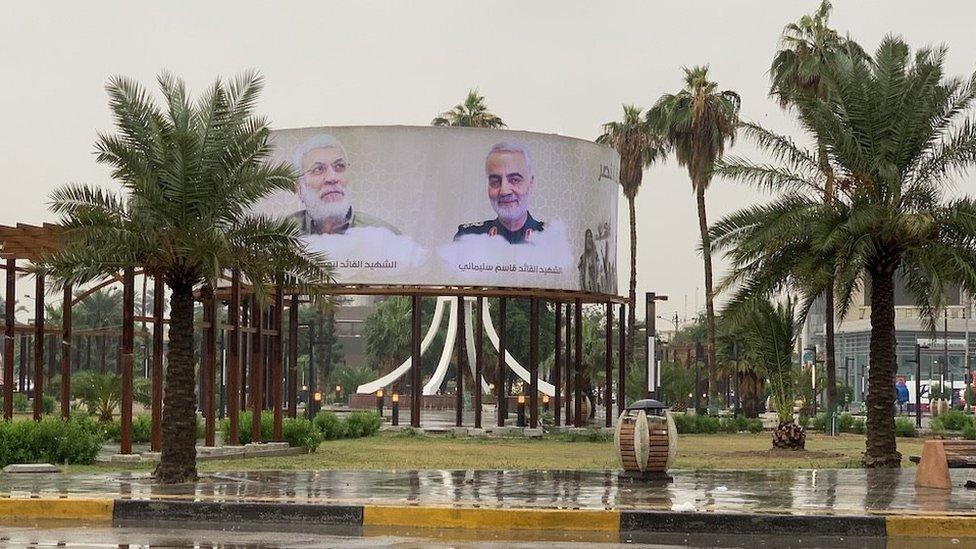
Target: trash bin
x: 646, y: 439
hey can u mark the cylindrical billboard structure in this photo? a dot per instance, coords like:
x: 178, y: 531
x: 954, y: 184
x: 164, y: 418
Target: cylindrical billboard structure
x: 453, y: 207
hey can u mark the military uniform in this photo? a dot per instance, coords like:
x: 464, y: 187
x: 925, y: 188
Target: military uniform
x: 353, y: 219
x: 494, y: 227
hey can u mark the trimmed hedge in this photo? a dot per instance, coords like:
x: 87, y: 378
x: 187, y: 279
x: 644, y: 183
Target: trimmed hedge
x: 695, y: 424
x: 296, y: 432
x: 50, y: 440
x: 356, y: 425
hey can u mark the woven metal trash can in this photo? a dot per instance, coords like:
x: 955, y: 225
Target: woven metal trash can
x: 646, y: 439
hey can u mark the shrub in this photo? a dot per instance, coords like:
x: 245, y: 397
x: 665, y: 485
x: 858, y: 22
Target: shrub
x: 969, y: 431
x: 47, y: 404
x: 21, y: 403
x: 904, y: 427
x: 817, y: 423
x: 953, y: 420
x: 803, y: 420
x: 111, y: 430
x: 329, y: 424
x: 858, y: 426
x: 410, y: 432
x: 706, y: 424
x: 300, y: 432
x: 49, y: 440
x: 591, y: 434
x: 684, y: 423
x: 362, y: 424
x: 754, y: 425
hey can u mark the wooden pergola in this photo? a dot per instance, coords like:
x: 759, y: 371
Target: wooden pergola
x: 255, y: 339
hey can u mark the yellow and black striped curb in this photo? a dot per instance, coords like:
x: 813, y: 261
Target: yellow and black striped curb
x: 120, y: 512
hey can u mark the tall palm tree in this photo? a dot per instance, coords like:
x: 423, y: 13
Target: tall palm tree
x: 699, y: 122
x: 896, y: 132
x: 189, y: 172
x: 639, y: 146
x: 473, y: 113
x: 386, y: 334
x: 808, y: 49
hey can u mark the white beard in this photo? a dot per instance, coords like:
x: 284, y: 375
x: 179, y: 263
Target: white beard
x: 319, y: 210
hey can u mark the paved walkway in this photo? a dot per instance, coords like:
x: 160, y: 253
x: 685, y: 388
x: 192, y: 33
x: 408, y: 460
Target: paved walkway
x: 805, y: 492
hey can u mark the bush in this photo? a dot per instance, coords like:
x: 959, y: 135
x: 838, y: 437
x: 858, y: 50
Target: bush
x: 244, y: 427
x: 49, y: 440
x: 803, y: 420
x: 47, y: 404
x: 969, y: 431
x: 329, y: 424
x: 953, y: 420
x: 858, y: 426
x: 688, y: 424
x: 591, y: 434
x: 362, y: 424
x: 21, y: 403
x: 754, y: 425
x: 300, y: 432
x: 904, y: 427
x: 410, y: 432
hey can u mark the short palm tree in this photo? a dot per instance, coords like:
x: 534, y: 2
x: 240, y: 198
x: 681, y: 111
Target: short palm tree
x: 189, y: 172
x: 896, y: 133
x: 699, y: 122
x: 639, y: 146
x: 809, y: 47
x: 473, y: 113
x: 769, y: 331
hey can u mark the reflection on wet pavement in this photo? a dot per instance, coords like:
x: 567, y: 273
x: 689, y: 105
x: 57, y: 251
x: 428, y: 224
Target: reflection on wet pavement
x: 843, y: 491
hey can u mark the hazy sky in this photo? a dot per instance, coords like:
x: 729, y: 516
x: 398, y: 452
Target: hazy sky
x: 561, y: 67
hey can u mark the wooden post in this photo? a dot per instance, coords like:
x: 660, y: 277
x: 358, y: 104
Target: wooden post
x: 159, y: 294
x: 257, y: 357
x: 51, y: 346
x: 8, y: 340
x: 209, y: 363
x: 534, y: 362
x: 234, y: 360
x: 22, y: 371
x: 278, y: 326
x: 557, y: 369
x: 245, y: 351
x: 459, y: 364
x: 478, y: 359
x: 66, y: 353
x: 128, y: 333
x: 38, y: 346
x: 502, y: 407
x: 621, y: 358
x: 570, y: 418
x: 416, y: 391
x: 293, y: 357
x: 578, y: 369
x: 608, y: 373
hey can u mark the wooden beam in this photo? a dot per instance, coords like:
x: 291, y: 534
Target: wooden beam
x: 38, y: 346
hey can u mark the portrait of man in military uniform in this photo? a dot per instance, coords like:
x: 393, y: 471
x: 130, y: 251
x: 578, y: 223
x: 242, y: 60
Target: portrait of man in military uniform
x: 508, y: 170
x: 323, y: 187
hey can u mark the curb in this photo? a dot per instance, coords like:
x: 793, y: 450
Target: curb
x: 124, y: 511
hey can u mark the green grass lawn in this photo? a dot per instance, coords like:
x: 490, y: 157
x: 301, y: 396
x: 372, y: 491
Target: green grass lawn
x: 388, y: 451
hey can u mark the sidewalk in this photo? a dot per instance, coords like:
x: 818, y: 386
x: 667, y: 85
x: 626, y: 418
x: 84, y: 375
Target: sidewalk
x: 835, y: 502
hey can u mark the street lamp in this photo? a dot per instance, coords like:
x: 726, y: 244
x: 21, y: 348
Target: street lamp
x: 313, y: 403
x: 918, y: 383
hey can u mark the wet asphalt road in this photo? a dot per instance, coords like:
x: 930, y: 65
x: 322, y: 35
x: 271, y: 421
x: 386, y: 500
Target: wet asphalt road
x: 103, y: 536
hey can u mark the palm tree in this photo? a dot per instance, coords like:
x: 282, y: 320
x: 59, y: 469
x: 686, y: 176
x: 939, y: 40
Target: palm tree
x: 808, y: 48
x: 473, y: 113
x: 639, y: 146
x: 386, y: 334
x: 699, y: 122
x: 189, y: 172
x: 895, y: 132
x: 769, y: 332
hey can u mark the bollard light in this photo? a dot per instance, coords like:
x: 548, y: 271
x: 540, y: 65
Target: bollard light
x: 379, y: 402
x: 395, y: 403
x: 316, y: 403
x: 545, y: 402
x: 521, y: 411
x: 338, y: 393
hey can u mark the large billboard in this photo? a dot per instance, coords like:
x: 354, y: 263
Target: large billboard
x: 400, y: 205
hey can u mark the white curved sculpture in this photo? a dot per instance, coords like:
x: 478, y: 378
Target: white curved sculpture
x: 435, y: 381
x: 403, y: 368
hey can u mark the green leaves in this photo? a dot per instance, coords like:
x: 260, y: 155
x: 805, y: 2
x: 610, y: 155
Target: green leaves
x: 473, y: 113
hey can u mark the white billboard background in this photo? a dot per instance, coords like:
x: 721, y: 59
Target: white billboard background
x: 426, y: 181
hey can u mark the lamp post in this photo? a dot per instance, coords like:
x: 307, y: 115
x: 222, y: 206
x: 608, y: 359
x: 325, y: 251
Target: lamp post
x: 918, y: 383
x: 395, y: 408
x: 521, y: 411
x: 698, y: 353
x: 312, y: 386
x: 379, y: 402
x: 652, y: 377
x: 338, y: 393
x: 545, y: 402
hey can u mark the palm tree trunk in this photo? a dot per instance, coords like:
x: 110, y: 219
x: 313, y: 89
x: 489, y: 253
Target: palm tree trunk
x: 829, y: 363
x: 881, y: 450
x: 632, y: 313
x: 709, y: 306
x: 178, y: 460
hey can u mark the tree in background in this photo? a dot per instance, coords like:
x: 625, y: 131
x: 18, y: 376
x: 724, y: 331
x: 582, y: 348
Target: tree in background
x: 698, y: 122
x: 472, y: 113
x: 387, y: 334
x: 639, y: 146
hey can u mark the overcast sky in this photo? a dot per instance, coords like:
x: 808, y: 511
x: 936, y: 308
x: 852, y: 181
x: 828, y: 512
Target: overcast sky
x: 561, y: 67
